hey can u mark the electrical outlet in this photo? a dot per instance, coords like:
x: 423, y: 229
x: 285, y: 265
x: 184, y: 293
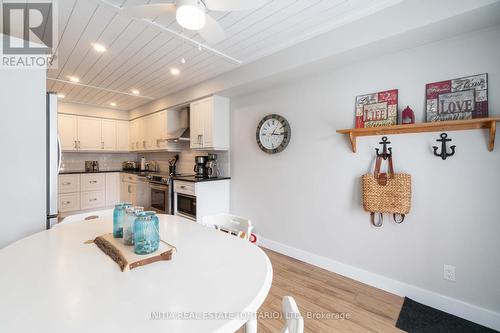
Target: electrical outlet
x: 449, y: 273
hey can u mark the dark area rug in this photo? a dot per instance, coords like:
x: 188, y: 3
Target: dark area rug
x: 418, y: 318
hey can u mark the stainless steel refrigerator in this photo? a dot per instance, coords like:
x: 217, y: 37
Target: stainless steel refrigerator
x: 53, y: 160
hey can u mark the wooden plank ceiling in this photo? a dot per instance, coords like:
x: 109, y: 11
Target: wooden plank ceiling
x: 139, y: 57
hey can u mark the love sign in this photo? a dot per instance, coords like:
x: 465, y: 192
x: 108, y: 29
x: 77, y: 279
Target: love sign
x: 462, y: 98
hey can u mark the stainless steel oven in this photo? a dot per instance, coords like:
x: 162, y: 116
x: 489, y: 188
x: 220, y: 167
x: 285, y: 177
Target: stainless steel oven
x: 186, y: 205
x: 161, y: 194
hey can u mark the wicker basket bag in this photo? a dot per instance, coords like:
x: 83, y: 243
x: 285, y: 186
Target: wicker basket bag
x: 386, y: 193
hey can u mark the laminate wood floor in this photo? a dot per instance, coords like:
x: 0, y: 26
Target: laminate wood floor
x: 328, y: 302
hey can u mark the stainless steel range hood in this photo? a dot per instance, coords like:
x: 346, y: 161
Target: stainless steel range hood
x: 182, y: 134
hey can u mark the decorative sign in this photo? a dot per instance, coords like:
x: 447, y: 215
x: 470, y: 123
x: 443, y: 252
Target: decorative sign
x: 457, y: 99
x: 378, y: 109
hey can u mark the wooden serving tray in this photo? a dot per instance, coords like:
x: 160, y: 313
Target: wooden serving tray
x: 124, y: 255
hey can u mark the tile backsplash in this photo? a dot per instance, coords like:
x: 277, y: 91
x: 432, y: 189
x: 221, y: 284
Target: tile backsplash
x: 185, y: 164
x: 75, y: 161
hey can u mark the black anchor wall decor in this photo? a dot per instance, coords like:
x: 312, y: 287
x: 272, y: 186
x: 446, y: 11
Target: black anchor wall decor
x: 386, y: 152
x: 444, y: 155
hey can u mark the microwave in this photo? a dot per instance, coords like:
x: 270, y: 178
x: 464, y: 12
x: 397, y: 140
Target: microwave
x: 186, y: 206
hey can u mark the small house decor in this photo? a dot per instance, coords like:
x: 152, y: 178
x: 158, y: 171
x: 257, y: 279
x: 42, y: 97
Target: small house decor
x: 407, y: 116
x: 377, y: 109
x: 457, y: 99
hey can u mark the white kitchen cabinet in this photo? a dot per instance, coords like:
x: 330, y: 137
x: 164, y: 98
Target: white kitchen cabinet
x: 134, y: 134
x: 210, y: 123
x: 69, y: 183
x: 108, y: 134
x: 211, y: 197
x: 141, y: 131
x: 148, y: 135
x: 69, y: 202
x: 122, y: 135
x: 89, y: 133
x: 112, y: 189
x: 68, y: 131
x: 92, y: 182
x: 92, y: 199
x: 79, y: 192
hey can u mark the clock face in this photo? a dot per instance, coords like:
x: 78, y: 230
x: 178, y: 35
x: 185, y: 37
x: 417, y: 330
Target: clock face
x: 273, y: 134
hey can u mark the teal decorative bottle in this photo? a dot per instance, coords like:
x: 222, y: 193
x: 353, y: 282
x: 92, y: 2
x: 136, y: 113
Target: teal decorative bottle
x: 118, y: 217
x: 128, y: 224
x: 146, y: 233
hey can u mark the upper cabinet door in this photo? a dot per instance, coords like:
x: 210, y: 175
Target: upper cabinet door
x: 134, y: 134
x: 108, y: 134
x: 158, y: 130
x: 197, y: 110
x: 141, y: 133
x: 122, y: 135
x: 89, y: 133
x: 210, y: 123
x: 68, y: 131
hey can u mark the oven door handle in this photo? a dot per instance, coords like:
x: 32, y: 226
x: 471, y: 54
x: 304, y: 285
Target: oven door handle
x: 159, y: 188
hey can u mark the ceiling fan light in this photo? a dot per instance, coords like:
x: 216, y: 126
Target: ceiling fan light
x: 190, y: 15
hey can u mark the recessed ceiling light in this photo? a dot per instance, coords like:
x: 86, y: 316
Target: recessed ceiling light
x: 61, y: 96
x: 183, y: 60
x: 135, y: 92
x: 175, y: 71
x: 99, y: 47
x: 112, y: 104
x: 74, y: 79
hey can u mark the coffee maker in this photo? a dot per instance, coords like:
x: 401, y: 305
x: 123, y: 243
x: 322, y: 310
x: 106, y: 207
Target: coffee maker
x: 200, y: 168
x: 211, y: 166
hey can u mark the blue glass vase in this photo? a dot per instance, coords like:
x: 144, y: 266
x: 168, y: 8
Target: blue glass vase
x: 118, y: 217
x: 128, y: 224
x: 146, y: 233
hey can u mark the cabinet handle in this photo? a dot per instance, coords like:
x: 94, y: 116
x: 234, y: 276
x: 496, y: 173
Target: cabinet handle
x: 183, y: 187
x: 102, y: 145
x: 66, y: 202
x: 76, y: 145
x: 79, y: 144
x: 93, y: 182
x: 68, y: 183
x: 95, y: 199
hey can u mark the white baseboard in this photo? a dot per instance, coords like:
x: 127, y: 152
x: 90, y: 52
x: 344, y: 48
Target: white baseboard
x: 454, y: 306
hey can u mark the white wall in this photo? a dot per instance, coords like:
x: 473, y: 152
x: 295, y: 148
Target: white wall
x: 308, y: 197
x: 23, y: 137
x: 92, y: 111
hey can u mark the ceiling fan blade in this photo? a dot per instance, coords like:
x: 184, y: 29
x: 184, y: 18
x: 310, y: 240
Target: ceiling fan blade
x: 232, y: 5
x: 212, y: 32
x: 150, y: 11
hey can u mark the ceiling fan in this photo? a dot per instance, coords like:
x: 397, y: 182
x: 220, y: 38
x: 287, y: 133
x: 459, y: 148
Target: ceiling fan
x: 193, y: 14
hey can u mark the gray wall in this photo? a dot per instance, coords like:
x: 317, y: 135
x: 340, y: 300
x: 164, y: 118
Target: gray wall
x: 308, y: 197
x: 22, y: 133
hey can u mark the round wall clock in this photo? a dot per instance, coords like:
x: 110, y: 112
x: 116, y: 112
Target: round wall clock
x: 273, y: 134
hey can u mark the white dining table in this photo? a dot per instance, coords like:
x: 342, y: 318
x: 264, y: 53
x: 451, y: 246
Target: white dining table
x: 53, y: 281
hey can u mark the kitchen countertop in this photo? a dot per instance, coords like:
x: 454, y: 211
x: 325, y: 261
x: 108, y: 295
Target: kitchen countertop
x: 187, y: 178
x: 68, y: 172
x: 193, y: 179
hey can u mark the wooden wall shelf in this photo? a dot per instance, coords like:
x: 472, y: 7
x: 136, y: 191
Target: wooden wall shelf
x: 443, y: 126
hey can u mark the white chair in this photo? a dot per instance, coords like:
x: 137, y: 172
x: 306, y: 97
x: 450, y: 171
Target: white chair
x: 87, y: 216
x: 293, y: 318
x: 231, y: 224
